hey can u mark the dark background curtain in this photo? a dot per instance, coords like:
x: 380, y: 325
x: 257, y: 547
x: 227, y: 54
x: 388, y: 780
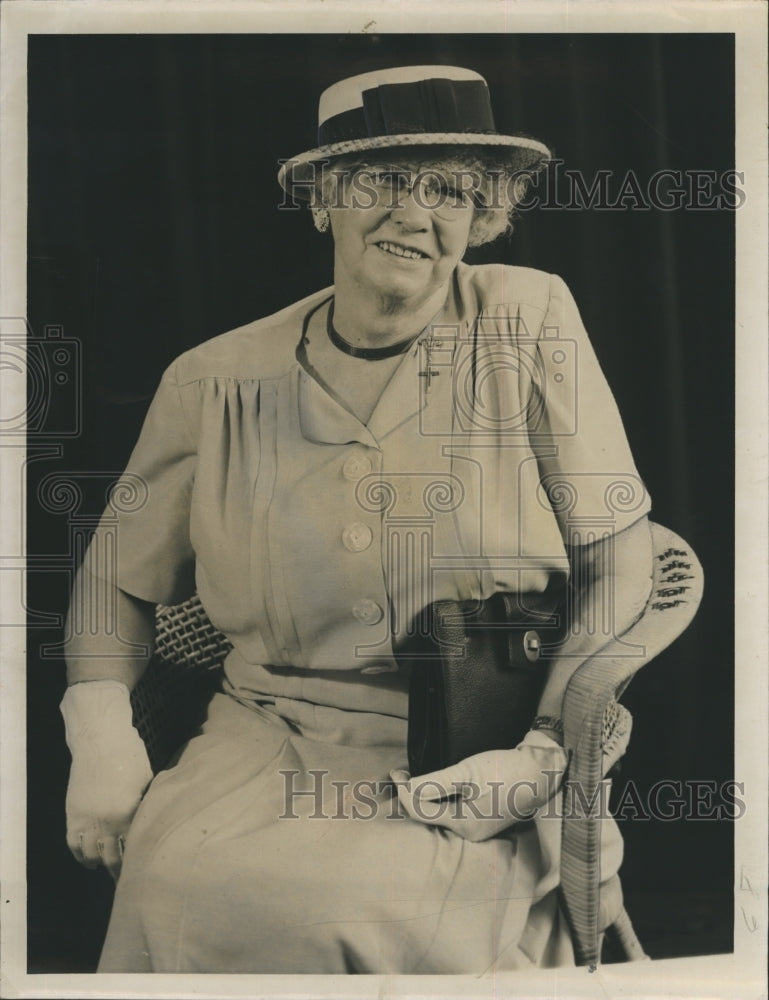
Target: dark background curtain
x: 154, y: 224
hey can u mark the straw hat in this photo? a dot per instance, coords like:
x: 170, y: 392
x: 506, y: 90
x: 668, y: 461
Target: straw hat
x: 407, y: 106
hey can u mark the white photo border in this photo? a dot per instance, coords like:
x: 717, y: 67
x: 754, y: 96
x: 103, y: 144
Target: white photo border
x: 741, y: 974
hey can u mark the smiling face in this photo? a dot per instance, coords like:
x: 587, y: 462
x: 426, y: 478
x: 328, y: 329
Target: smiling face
x: 394, y: 241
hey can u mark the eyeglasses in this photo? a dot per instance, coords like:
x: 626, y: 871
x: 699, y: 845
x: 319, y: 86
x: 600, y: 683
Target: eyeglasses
x: 449, y: 194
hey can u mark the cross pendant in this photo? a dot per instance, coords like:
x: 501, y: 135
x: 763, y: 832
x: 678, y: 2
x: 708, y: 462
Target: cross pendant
x: 428, y: 371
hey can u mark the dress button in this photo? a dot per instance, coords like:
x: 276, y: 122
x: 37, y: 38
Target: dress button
x: 357, y: 536
x: 380, y: 668
x: 367, y: 612
x: 356, y: 467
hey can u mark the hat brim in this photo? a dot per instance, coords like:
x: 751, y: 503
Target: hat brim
x: 525, y: 154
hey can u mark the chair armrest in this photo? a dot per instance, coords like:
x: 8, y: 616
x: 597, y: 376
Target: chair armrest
x: 677, y: 585
x: 170, y: 700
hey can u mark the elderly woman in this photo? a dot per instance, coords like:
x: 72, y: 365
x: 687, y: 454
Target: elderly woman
x: 319, y: 477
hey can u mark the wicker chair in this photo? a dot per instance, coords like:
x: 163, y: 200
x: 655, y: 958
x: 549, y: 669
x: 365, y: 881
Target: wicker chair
x: 171, y: 699
x: 592, y: 718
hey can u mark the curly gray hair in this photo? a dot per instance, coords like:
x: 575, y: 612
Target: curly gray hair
x: 497, y: 188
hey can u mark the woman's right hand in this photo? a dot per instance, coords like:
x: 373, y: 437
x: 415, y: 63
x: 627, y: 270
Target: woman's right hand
x: 109, y: 774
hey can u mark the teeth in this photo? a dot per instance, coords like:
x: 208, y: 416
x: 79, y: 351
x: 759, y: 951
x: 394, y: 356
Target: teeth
x: 400, y: 251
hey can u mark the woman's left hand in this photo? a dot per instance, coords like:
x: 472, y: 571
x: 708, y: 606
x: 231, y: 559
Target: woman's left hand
x: 485, y: 794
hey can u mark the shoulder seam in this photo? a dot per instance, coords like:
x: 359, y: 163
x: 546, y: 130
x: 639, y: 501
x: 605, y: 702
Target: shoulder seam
x: 170, y: 376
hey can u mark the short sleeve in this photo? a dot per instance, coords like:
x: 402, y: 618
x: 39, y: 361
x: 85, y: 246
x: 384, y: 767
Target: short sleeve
x: 587, y: 472
x: 142, y: 542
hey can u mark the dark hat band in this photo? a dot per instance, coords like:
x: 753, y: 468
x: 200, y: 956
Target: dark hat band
x: 425, y: 106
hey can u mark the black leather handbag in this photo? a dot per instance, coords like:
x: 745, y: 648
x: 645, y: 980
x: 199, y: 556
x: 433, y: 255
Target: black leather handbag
x: 476, y: 678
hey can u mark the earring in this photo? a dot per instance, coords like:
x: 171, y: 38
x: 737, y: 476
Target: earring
x: 321, y: 218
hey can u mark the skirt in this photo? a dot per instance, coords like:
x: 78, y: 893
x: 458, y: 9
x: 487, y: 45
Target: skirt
x: 276, y: 845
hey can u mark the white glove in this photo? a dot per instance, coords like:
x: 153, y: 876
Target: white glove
x: 109, y: 774
x: 485, y: 794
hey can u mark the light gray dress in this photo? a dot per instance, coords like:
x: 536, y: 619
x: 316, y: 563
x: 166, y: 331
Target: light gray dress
x: 313, y: 540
